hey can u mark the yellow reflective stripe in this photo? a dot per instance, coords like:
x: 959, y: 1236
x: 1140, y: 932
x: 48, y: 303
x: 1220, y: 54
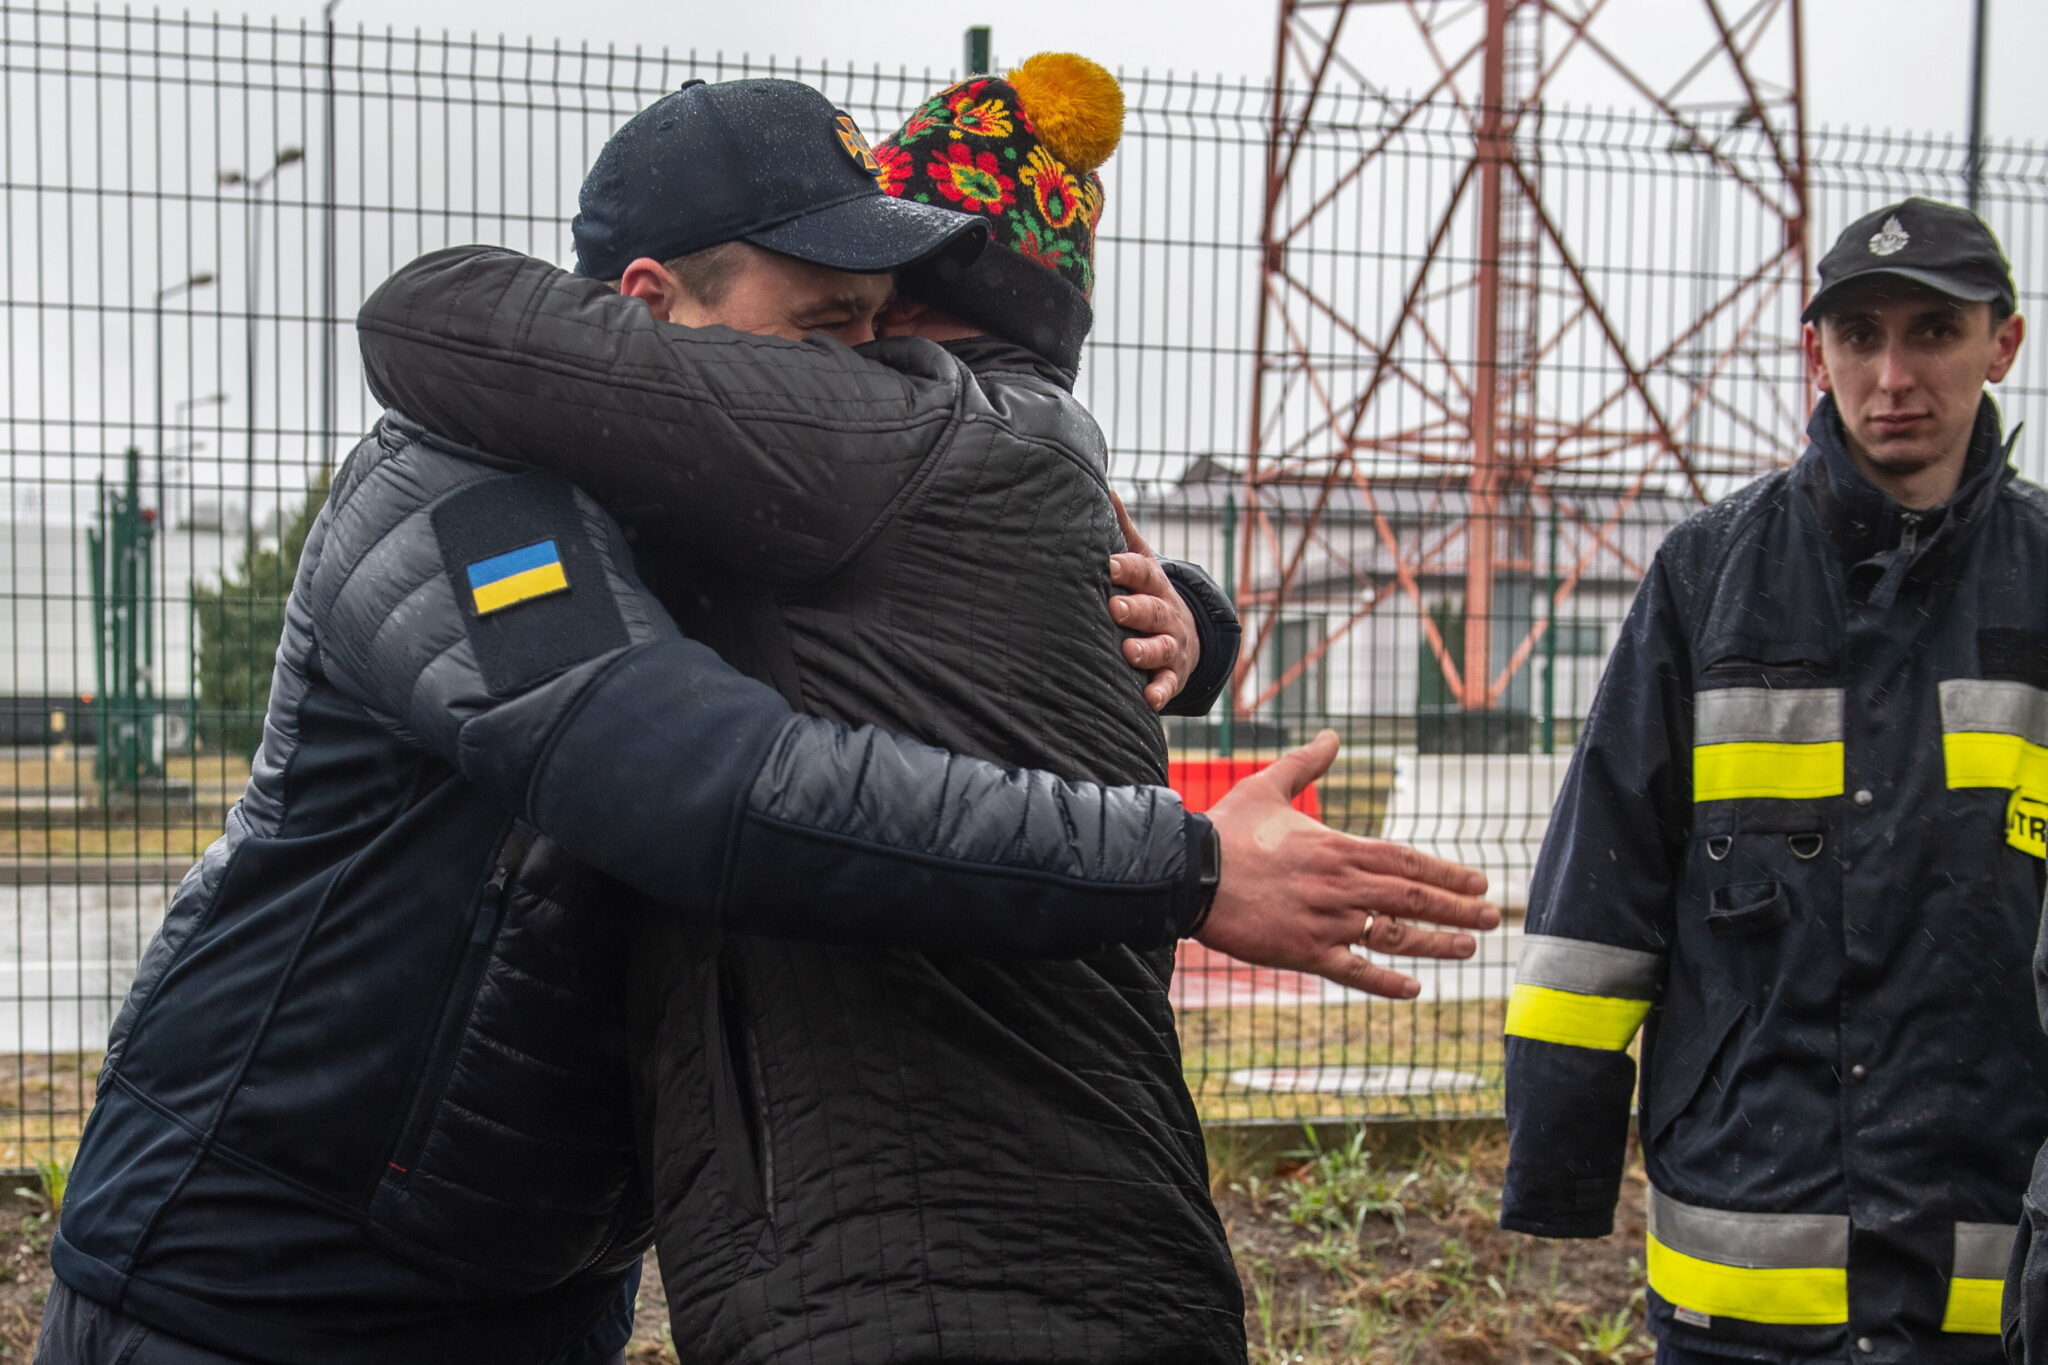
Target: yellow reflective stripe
x: 1598, y: 1021
x: 1725, y: 772
x: 1974, y: 1306
x: 1796, y: 1295
x: 520, y: 587
x: 1981, y: 759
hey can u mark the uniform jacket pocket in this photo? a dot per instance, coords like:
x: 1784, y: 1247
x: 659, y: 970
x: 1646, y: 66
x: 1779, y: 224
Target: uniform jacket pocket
x: 1679, y: 1066
x: 1747, y: 908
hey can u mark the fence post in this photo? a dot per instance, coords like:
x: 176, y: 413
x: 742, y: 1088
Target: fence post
x: 1550, y: 640
x: 977, y: 58
x: 1226, y: 736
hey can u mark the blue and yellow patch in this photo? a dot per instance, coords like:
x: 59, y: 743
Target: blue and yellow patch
x: 567, y: 611
x: 516, y: 576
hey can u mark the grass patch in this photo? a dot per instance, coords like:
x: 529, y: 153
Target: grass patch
x: 70, y: 843
x: 1453, y: 1035
x: 69, y: 771
x: 44, y: 1099
x: 153, y: 829
x: 1354, y: 1257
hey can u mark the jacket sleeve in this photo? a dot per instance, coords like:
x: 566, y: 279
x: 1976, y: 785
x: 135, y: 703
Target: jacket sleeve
x: 2023, y: 1317
x: 639, y: 751
x: 738, y: 444
x: 1220, y: 633
x: 1598, y: 932
x: 2023, y: 1306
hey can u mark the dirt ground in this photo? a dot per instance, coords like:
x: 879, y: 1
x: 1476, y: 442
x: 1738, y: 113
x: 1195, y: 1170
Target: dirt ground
x: 1349, y: 1256
x: 25, y: 1228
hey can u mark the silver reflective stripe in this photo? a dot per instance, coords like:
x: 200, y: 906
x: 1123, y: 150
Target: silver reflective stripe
x: 1754, y: 1241
x: 1980, y: 706
x: 1983, y: 1250
x: 1572, y: 964
x: 1768, y: 715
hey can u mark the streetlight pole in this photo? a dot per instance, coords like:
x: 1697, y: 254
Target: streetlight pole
x: 327, y: 283
x: 181, y: 422
x: 197, y: 280
x: 290, y: 156
x: 1973, y: 172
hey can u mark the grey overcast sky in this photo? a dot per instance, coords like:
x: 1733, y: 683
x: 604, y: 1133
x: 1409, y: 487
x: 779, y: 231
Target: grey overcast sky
x: 1879, y: 63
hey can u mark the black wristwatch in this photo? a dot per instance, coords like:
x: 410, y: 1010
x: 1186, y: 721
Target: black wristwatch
x: 1209, y: 875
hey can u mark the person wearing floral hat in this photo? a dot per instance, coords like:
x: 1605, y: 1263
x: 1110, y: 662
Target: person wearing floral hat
x: 861, y: 1154
x: 1023, y: 155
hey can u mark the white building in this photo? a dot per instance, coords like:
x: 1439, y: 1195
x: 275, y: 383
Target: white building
x: 1595, y: 541
x: 46, y: 606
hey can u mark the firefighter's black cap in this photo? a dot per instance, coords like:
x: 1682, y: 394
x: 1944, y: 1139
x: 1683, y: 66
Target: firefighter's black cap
x: 1943, y: 246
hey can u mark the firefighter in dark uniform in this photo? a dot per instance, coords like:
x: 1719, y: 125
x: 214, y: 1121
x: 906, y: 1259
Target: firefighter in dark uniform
x: 1802, y: 838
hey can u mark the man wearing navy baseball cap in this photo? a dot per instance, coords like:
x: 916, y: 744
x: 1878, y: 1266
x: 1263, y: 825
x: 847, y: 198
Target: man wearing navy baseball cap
x: 754, y: 204
x: 1807, y: 824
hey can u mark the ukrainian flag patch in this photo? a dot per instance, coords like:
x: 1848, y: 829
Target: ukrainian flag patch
x: 516, y: 576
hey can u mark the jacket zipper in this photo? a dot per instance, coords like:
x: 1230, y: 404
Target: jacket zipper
x: 483, y: 933
x: 748, y: 1132
x: 765, y: 1146
x: 611, y: 1237
x: 1909, y: 533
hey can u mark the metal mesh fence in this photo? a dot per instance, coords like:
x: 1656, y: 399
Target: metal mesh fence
x: 193, y: 208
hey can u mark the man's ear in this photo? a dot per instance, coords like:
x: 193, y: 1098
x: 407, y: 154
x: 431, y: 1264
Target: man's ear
x: 1816, y: 361
x: 655, y: 285
x: 2010, y: 334
x: 899, y: 316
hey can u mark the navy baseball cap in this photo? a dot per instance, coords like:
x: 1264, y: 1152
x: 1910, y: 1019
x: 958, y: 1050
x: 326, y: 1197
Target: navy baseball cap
x: 764, y: 161
x: 1944, y: 247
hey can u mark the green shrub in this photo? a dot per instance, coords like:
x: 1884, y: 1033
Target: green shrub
x: 239, y: 623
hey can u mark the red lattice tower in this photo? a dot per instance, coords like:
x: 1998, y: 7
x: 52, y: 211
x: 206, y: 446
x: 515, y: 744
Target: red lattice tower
x: 1712, y: 91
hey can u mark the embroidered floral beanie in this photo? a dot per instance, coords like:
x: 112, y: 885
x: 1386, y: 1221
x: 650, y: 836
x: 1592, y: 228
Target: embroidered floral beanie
x: 1020, y: 152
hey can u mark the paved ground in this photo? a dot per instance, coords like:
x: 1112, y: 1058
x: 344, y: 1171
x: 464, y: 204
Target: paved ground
x: 68, y: 950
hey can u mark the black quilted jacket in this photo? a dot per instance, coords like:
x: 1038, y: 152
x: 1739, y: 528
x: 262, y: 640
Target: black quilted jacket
x: 367, y: 1100
x: 870, y: 1155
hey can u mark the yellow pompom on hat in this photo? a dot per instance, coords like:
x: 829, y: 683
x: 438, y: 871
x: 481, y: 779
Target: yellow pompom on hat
x: 1020, y: 152
x: 1076, y: 106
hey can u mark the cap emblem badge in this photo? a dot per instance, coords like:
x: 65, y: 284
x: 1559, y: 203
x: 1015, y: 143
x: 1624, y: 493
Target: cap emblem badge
x: 856, y: 145
x: 1890, y: 239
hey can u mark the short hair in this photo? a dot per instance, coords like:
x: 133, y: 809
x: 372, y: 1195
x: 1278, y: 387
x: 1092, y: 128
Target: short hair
x: 707, y: 275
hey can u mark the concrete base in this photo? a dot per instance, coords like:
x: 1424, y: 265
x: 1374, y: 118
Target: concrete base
x: 1206, y: 980
x: 1260, y: 1146
x: 153, y: 794
x: 1458, y: 731
x: 1355, y: 1080
x: 1488, y: 811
